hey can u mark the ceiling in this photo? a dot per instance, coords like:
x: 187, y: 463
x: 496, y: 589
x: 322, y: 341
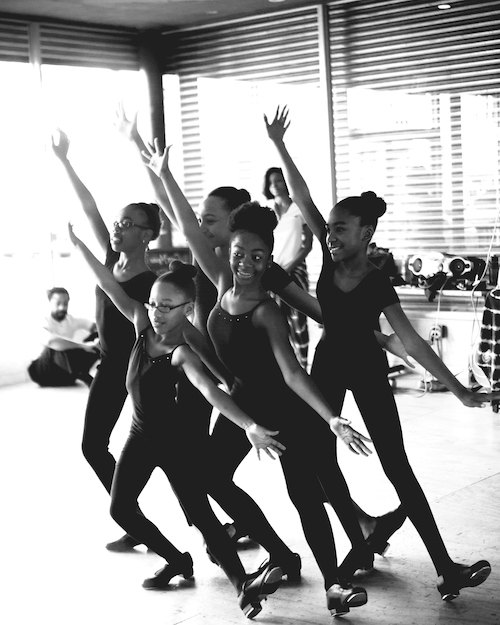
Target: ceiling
x: 146, y: 14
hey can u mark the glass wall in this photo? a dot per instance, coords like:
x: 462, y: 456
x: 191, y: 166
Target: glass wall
x: 414, y: 101
x: 36, y: 198
x: 235, y: 147
x: 434, y: 158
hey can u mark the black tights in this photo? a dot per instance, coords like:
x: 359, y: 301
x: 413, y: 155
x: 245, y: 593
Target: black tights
x: 311, y: 474
x: 105, y: 402
x: 375, y: 400
x: 135, y: 466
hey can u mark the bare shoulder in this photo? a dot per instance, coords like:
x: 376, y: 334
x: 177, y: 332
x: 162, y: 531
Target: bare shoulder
x: 183, y: 354
x: 267, y: 314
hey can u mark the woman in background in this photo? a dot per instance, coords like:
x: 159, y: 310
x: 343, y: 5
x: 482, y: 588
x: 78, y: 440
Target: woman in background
x: 292, y: 243
x: 251, y: 339
x: 209, y: 231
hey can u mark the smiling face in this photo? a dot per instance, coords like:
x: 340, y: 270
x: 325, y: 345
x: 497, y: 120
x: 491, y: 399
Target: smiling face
x: 213, y: 219
x: 249, y: 257
x: 129, y: 239
x: 345, y: 236
x: 171, y: 297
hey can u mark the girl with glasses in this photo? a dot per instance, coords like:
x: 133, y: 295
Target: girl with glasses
x: 251, y: 339
x: 124, y: 247
x: 162, y: 366
x: 209, y: 229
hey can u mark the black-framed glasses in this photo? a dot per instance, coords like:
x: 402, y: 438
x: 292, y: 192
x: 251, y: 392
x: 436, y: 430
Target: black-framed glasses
x: 125, y: 224
x: 164, y: 309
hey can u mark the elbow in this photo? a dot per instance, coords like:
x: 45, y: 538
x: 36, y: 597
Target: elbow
x: 291, y: 377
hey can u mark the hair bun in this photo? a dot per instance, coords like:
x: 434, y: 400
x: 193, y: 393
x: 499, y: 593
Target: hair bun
x: 253, y: 217
x: 244, y: 196
x: 375, y: 203
x: 232, y: 196
x: 182, y: 269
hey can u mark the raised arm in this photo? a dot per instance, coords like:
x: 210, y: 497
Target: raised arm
x: 187, y: 222
x: 299, y: 191
x: 260, y: 437
x: 128, y: 128
x: 131, y: 308
x: 60, y: 146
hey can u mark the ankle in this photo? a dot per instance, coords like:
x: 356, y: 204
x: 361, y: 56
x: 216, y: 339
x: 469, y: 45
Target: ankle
x: 367, y: 525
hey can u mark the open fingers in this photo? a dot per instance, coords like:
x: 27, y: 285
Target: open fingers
x: 361, y: 437
x: 271, y: 442
x: 358, y: 447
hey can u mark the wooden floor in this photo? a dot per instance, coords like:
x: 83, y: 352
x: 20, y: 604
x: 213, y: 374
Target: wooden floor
x: 55, y: 523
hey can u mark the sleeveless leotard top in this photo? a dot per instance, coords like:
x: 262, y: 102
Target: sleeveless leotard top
x: 259, y: 388
x: 275, y: 279
x: 116, y: 332
x: 152, y: 383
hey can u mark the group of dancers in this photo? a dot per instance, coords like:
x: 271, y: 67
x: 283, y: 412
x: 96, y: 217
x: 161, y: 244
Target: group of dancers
x: 174, y: 342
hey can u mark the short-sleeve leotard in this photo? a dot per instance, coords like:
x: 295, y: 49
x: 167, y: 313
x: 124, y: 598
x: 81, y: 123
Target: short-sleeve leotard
x: 350, y: 317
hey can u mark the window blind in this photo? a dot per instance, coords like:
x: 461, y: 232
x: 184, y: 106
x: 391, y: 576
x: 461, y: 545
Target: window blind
x: 70, y: 44
x: 416, y: 109
x: 14, y: 40
x: 281, y: 47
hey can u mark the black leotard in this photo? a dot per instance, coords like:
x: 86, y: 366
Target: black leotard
x: 162, y: 435
x: 309, y: 465
x: 152, y: 386
x: 274, y: 279
x: 348, y: 357
x: 116, y: 333
x: 247, y: 353
x: 349, y: 319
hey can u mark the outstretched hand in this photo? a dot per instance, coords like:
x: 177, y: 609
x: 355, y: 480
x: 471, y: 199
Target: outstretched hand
x: 127, y: 127
x: 478, y: 400
x: 395, y: 346
x: 60, y: 143
x: 351, y: 437
x: 262, y: 440
x: 277, y: 128
x: 156, y: 158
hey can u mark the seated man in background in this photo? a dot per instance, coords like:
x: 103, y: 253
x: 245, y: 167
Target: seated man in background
x: 69, y: 345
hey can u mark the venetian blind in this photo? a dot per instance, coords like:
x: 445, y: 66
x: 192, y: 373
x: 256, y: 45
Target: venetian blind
x: 280, y: 47
x: 416, y: 108
x: 69, y: 44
